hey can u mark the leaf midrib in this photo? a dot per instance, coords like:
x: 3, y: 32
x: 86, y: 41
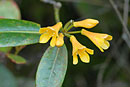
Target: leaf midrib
x: 53, y: 65
x: 31, y: 32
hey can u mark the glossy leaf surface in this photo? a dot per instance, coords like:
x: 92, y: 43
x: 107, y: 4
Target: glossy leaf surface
x: 16, y: 59
x: 9, y: 9
x: 52, y: 67
x: 18, y: 32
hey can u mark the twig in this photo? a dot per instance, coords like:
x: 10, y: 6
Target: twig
x: 49, y: 2
x: 57, y: 10
x: 125, y: 18
x: 57, y: 6
x: 126, y: 11
x: 120, y: 18
x: 91, y: 2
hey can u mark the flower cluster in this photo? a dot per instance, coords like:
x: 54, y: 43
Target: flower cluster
x: 56, y: 33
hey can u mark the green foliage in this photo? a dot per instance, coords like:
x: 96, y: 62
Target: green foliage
x: 17, y: 59
x: 52, y: 68
x: 18, y: 26
x: 18, y: 32
x: 5, y: 49
x: 6, y: 77
x: 9, y: 9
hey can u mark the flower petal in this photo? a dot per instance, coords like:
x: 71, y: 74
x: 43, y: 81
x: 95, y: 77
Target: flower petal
x: 84, y: 57
x: 105, y: 36
x: 76, y: 45
x: 45, y: 37
x: 98, y: 42
x: 53, y: 41
x: 75, y: 59
x: 57, y: 26
x: 109, y: 37
x: 90, y: 51
x: 43, y: 30
x: 60, y: 40
x: 94, y: 37
x: 105, y: 45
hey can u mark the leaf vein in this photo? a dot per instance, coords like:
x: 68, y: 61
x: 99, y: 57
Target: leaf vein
x: 53, y: 65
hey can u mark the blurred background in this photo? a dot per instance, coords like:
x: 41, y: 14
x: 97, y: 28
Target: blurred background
x: 108, y: 69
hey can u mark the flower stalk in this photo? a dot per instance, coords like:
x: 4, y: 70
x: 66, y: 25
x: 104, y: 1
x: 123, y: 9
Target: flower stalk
x: 71, y: 26
x: 68, y: 26
x: 74, y: 32
x: 57, y: 7
x: 67, y: 35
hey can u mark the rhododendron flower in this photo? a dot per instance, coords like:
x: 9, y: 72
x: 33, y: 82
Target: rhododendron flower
x: 100, y: 40
x: 79, y: 49
x: 50, y: 32
x: 87, y: 23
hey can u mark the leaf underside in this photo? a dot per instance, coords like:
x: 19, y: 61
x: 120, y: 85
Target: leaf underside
x: 52, y: 67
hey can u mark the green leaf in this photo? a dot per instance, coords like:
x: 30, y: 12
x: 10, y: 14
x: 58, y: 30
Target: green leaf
x: 5, y: 49
x: 6, y: 77
x: 18, y: 32
x: 16, y: 59
x: 52, y: 68
x: 9, y: 9
x: 15, y: 39
x: 18, y: 26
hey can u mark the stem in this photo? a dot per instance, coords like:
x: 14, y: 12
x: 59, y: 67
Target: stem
x: 71, y: 26
x: 74, y: 32
x: 120, y: 18
x: 18, y: 49
x: 56, y: 13
x: 57, y: 6
x: 67, y: 24
x: 67, y: 35
x: 126, y: 11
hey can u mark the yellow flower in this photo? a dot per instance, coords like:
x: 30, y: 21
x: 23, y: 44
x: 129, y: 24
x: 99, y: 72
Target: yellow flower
x: 79, y: 49
x: 48, y: 32
x: 60, y: 40
x: 87, y: 23
x: 100, y: 40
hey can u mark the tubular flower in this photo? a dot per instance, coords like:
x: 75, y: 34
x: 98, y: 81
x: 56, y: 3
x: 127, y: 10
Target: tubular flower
x: 87, y: 23
x: 60, y: 40
x: 100, y: 40
x: 79, y: 49
x: 50, y: 32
